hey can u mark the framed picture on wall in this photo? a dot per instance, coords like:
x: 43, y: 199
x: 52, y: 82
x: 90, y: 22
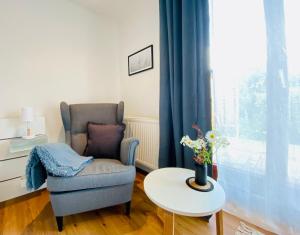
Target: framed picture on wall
x: 140, y: 61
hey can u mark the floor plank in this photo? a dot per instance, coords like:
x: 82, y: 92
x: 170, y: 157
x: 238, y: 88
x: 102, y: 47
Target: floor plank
x: 33, y: 215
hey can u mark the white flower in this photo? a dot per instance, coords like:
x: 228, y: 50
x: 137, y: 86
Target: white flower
x: 211, y: 136
x: 205, y: 146
x: 197, y: 144
x: 186, y: 141
x: 200, y: 143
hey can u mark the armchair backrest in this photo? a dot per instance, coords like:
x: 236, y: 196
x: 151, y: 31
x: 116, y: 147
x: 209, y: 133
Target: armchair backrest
x: 75, y: 118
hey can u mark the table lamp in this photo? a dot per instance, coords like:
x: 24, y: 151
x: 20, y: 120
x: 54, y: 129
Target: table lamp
x: 27, y: 116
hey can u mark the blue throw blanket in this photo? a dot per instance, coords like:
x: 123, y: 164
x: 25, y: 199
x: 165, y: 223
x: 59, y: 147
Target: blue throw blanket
x: 53, y: 159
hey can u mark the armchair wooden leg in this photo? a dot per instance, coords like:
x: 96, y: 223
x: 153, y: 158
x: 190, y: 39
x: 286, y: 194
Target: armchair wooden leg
x: 60, y: 223
x: 127, y: 208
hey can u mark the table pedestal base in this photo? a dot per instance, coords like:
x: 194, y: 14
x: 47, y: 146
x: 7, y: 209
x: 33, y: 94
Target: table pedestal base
x: 168, y: 219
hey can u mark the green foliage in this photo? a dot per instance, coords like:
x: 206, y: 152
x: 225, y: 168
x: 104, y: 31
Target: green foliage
x: 252, y: 107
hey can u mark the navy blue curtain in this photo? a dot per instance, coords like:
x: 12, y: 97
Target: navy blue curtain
x: 184, y: 77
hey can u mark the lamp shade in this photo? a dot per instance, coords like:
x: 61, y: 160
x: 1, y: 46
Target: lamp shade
x: 27, y: 114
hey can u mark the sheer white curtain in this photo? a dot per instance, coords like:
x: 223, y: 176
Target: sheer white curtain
x: 260, y: 170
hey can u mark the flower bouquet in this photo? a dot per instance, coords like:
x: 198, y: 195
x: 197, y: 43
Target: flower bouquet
x: 203, y: 147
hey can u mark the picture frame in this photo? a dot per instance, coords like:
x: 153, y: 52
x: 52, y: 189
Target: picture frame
x: 140, y: 61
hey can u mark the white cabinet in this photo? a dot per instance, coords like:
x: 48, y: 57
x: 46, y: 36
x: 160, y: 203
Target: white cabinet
x: 5, y: 152
x: 14, y: 153
x: 12, y: 188
x: 12, y: 168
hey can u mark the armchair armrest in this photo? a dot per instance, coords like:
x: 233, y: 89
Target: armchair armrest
x: 128, y: 147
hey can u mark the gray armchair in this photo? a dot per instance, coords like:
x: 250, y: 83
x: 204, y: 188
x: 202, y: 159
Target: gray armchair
x: 104, y: 182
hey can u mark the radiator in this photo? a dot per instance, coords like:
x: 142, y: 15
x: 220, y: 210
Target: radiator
x: 147, y: 132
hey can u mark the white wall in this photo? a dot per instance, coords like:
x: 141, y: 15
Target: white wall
x: 54, y: 50
x: 138, y: 28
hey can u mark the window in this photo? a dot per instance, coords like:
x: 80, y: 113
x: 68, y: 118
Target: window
x: 260, y: 169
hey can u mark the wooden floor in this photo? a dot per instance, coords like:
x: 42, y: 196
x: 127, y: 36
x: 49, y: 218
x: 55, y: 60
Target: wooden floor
x: 33, y: 215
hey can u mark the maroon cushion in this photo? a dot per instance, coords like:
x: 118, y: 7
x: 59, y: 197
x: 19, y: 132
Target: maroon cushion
x: 104, y: 140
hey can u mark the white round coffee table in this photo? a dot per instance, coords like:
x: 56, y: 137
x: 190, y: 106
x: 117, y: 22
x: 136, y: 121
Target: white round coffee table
x: 166, y: 187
